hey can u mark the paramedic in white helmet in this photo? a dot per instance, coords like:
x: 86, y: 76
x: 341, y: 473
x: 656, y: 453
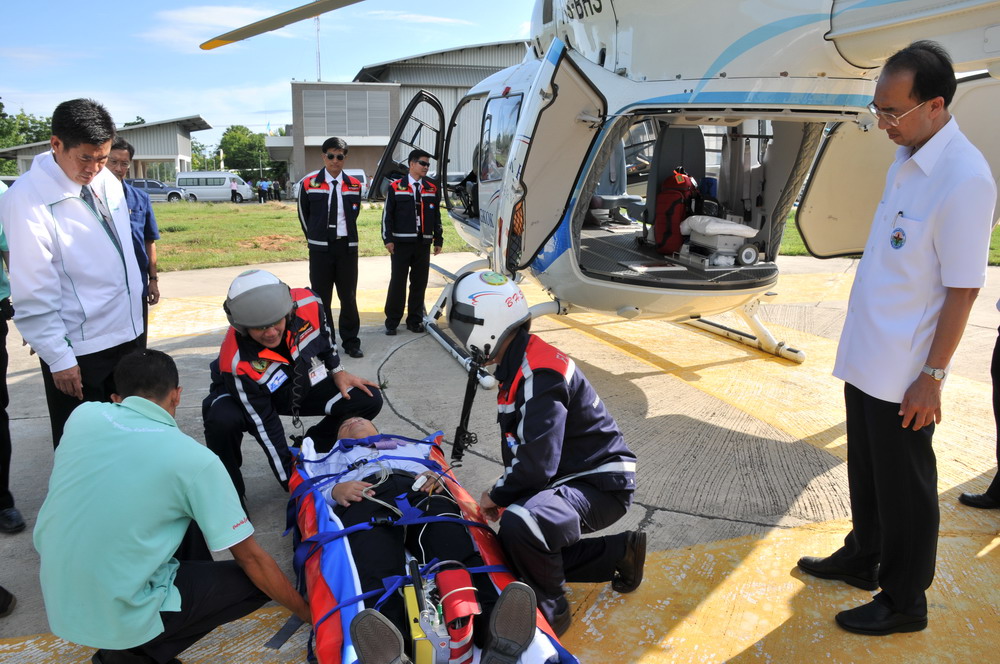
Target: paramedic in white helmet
x: 278, y: 358
x: 567, y: 469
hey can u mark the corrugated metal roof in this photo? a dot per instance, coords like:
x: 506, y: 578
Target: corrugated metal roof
x: 459, y: 76
x: 190, y: 123
x: 496, y: 56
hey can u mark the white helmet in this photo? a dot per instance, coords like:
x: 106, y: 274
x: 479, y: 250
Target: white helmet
x: 486, y: 308
x: 256, y: 298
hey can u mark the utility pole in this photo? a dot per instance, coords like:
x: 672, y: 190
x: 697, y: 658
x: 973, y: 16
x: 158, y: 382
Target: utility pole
x: 319, y: 77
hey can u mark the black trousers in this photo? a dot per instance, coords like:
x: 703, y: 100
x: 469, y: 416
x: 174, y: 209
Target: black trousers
x: 379, y: 552
x: 97, y: 373
x: 212, y: 594
x: 892, y: 473
x: 338, y: 268
x: 412, y: 259
x: 994, y: 490
x: 542, y: 537
x: 6, y: 498
x: 226, y: 421
x: 232, y: 196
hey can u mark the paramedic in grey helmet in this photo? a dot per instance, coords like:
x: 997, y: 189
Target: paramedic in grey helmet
x: 278, y: 358
x: 567, y: 469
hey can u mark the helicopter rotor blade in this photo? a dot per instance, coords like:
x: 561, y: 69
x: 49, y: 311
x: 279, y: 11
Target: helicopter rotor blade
x: 311, y: 10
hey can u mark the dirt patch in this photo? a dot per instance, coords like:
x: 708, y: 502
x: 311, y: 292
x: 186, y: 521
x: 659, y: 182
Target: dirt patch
x: 269, y: 242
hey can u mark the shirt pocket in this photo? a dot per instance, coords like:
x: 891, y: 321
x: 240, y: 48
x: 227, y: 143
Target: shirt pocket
x: 906, y: 234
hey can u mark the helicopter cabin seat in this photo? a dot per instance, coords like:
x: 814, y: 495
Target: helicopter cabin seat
x: 676, y: 146
x: 611, y: 194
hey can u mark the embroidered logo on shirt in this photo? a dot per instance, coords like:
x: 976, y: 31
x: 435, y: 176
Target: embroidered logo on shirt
x: 898, y: 238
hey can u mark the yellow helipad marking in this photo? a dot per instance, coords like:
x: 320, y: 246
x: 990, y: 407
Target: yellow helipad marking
x: 741, y: 600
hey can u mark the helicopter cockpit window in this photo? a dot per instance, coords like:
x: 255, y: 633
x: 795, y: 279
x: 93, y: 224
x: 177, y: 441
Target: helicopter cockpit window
x: 499, y: 125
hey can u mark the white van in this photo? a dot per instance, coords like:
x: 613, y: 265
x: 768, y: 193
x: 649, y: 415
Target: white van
x: 214, y: 186
x: 360, y: 175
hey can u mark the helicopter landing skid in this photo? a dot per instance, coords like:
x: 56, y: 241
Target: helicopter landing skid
x: 761, y: 339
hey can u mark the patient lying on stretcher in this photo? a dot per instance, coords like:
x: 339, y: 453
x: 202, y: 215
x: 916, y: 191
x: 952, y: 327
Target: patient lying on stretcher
x: 392, y: 484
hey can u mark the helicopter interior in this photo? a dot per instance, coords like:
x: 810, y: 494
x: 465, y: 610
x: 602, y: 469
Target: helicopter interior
x: 749, y: 173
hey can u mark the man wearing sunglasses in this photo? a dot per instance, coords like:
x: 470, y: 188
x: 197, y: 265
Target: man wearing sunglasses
x: 923, y: 265
x: 411, y: 222
x: 329, y: 203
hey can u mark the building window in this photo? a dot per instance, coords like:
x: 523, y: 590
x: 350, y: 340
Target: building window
x: 161, y: 170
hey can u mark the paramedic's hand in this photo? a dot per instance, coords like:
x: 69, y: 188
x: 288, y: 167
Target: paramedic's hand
x: 69, y: 381
x: 390, y: 247
x: 437, y: 249
x: 432, y: 484
x: 490, y: 509
x: 354, y: 491
x: 345, y: 381
x: 922, y: 403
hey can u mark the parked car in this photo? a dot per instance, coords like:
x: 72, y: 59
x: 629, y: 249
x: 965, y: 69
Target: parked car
x: 214, y: 186
x: 161, y: 192
x: 360, y: 175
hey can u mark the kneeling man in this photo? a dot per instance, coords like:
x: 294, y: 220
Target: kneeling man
x: 125, y: 486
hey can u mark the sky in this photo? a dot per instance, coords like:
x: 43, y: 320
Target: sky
x: 143, y: 58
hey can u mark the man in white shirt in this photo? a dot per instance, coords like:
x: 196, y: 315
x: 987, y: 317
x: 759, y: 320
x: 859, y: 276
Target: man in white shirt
x: 923, y: 265
x: 73, y: 271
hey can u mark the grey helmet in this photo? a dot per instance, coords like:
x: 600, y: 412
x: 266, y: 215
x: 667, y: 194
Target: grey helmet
x: 486, y: 308
x: 256, y: 298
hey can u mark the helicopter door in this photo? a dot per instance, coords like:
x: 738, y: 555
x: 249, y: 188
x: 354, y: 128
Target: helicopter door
x: 421, y: 126
x: 843, y: 190
x: 560, y: 118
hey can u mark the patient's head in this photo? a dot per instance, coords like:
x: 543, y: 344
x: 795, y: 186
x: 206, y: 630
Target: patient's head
x: 356, y: 427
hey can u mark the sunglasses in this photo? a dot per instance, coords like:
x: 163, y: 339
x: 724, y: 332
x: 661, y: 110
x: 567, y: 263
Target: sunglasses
x: 425, y: 164
x: 331, y: 157
x: 265, y: 328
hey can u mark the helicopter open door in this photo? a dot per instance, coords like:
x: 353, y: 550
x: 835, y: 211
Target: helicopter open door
x: 421, y: 125
x: 838, y: 202
x: 561, y: 117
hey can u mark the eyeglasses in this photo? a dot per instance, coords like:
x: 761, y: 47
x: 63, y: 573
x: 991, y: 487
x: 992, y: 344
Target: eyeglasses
x: 891, y: 119
x: 265, y: 328
x: 331, y: 156
x: 425, y: 164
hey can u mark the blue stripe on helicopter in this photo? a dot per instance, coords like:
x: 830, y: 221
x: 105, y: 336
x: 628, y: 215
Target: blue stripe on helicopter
x: 555, y: 50
x: 760, y: 97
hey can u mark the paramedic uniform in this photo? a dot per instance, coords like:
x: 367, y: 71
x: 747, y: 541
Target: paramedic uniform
x: 328, y: 213
x: 567, y: 471
x: 252, y: 386
x: 126, y: 483
x: 931, y: 232
x: 411, y: 221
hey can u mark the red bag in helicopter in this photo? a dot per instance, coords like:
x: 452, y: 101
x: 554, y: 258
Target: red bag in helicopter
x: 677, y: 200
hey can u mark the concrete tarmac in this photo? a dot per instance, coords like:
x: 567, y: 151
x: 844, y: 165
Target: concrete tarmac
x: 742, y: 470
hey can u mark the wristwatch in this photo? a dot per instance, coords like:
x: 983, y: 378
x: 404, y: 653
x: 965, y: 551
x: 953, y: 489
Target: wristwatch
x: 936, y: 374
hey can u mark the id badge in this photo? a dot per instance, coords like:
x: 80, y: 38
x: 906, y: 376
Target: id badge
x: 317, y: 373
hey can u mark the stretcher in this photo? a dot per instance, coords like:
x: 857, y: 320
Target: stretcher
x: 327, y: 573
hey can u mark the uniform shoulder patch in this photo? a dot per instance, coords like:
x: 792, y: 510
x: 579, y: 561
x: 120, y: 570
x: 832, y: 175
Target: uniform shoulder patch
x: 259, y: 364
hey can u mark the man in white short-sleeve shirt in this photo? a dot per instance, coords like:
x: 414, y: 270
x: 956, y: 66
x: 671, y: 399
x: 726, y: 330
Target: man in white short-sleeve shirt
x: 923, y: 266
x: 125, y: 487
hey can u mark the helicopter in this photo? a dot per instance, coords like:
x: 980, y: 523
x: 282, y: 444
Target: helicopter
x: 761, y: 103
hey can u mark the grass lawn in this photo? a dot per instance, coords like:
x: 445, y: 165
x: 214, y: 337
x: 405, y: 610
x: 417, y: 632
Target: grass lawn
x: 200, y: 235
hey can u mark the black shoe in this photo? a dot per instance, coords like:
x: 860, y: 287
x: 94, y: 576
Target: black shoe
x: 7, y: 602
x: 628, y: 571
x: 355, y: 352
x: 124, y: 657
x: 11, y: 521
x: 376, y: 640
x: 415, y: 327
x: 877, y: 619
x: 390, y: 331
x: 512, y: 625
x: 980, y: 500
x: 563, y: 617
x: 824, y: 568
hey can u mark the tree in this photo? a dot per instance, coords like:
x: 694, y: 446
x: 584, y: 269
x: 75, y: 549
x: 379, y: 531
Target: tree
x: 139, y: 120
x: 202, y: 156
x: 245, y: 152
x: 18, y: 130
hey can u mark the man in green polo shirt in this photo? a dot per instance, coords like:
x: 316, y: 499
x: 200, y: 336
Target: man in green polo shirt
x: 125, y: 486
